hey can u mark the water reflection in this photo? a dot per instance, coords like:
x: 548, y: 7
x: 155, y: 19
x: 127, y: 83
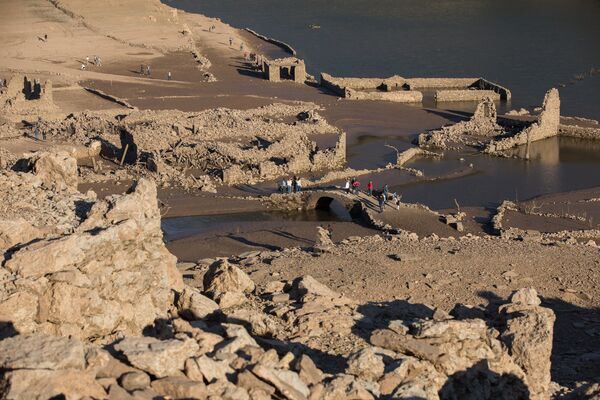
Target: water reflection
x: 555, y: 165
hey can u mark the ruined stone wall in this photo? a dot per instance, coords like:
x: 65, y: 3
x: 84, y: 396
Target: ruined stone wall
x: 333, y: 84
x: 465, y: 95
x: 331, y: 158
x: 429, y: 83
x: 401, y: 96
x: 25, y: 97
x: 546, y: 126
x: 482, y: 123
x: 579, y: 132
x: 407, y: 155
x: 484, y: 84
x: 296, y: 69
x: 467, y: 89
x: 340, y: 84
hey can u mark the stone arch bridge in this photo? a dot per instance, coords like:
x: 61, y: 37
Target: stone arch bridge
x: 311, y: 199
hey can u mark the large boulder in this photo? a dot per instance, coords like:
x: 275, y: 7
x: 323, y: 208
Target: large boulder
x: 226, y: 283
x: 193, y: 305
x: 160, y: 358
x: 57, y: 170
x: 112, y: 274
x: 528, y: 334
x: 44, y: 367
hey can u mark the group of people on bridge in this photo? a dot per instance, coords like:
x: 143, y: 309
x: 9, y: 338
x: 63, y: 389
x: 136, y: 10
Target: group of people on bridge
x: 382, y: 196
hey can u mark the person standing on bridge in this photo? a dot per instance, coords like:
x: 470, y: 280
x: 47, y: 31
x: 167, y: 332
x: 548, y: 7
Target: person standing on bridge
x: 356, y: 186
x: 381, y: 199
x: 370, y: 188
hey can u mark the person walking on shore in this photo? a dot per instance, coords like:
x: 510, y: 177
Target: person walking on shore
x: 289, y: 186
x: 169, y: 76
x: 347, y: 186
x: 381, y: 202
x: 230, y: 41
x: 294, y: 184
x: 370, y: 188
x: 142, y: 69
x: 148, y: 71
x: 298, y: 185
x: 283, y: 186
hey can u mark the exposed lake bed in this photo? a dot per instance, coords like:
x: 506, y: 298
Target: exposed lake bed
x: 352, y: 199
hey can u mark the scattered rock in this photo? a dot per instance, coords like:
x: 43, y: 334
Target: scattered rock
x: 158, y: 358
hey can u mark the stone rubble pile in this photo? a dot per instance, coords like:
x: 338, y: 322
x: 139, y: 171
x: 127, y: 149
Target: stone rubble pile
x: 481, y: 124
x: 220, y: 145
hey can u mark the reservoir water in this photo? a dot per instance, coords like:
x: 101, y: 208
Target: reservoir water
x: 526, y: 45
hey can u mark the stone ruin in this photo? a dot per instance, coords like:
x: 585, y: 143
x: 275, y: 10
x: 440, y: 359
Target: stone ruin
x: 410, y: 90
x: 546, y: 126
x: 284, y: 69
x: 92, y: 305
x: 390, y: 89
x: 484, y: 130
x: 24, y: 96
x: 482, y: 123
x: 221, y: 146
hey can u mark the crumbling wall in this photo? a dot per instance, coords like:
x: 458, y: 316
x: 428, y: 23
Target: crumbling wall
x: 401, y: 96
x: 23, y: 96
x: 579, y: 132
x: 484, y: 84
x: 331, y: 158
x: 388, y: 89
x: 405, y: 156
x: 546, y: 126
x: 295, y: 67
x: 432, y: 83
x: 465, y: 95
x: 360, y: 83
x: 405, y: 90
x: 482, y: 123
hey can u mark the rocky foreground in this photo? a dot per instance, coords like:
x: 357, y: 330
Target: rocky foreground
x: 92, y: 306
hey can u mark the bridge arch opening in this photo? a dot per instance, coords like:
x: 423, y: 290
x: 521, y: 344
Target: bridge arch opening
x: 333, y: 206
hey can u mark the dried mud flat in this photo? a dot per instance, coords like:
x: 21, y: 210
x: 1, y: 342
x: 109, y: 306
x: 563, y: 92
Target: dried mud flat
x: 412, y: 304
